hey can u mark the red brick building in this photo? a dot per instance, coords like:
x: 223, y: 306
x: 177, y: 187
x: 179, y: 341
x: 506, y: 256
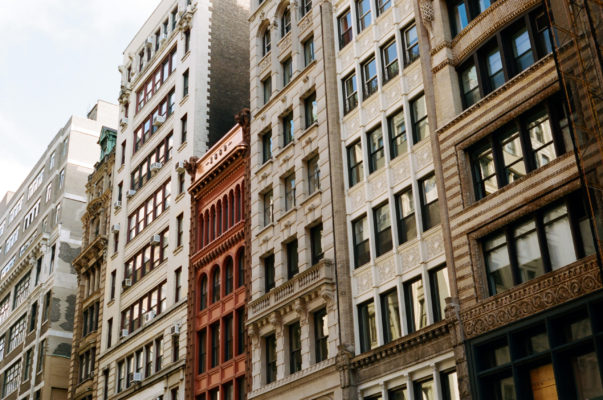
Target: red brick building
x: 216, y: 310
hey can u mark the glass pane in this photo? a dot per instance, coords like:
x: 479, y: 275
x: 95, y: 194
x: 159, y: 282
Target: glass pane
x: 529, y: 259
x: 406, y: 204
x: 430, y: 192
x: 495, y: 69
x: 522, y: 50
x: 442, y: 289
x: 483, y: 4
x: 425, y: 390
x: 470, y: 85
x: 485, y: 170
x: 382, y: 218
x: 460, y: 16
x: 400, y: 393
x: 587, y: 377
x: 512, y: 156
x: 541, y: 139
x: 360, y: 230
x: 418, y: 313
x: 450, y: 386
x: 397, y: 131
x: 392, y: 320
x: 498, y: 264
x: 558, y: 237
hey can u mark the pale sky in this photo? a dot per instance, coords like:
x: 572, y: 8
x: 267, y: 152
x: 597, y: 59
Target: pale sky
x: 57, y: 57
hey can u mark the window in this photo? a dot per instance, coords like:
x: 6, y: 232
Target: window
x: 33, y: 316
x: 411, y: 44
x: 177, y: 284
x: 175, y: 348
x: 21, y: 290
x: 295, y: 359
x: 152, y: 303
x: 185, y: 83
x: 310, y: 111
x: 286, y: 22
x: 288, y: 128
x: 201, y: 346
x: 459, y: 16
x: 240, y: 331
x: 113, y: 282
x: 61, y: 178
x: 266, y: 42
x: 390, y: 312
x: 229, y: 278
x: 2, y: 345
x: 355, y: 168
x: 398, y: 393
x: 407, y: 229
x: 382, y: 6
x: 183, y: 128
x: 266, y: 146
x: 48, y: 192
x: 146, y: 259
x: 345, y: 28
x: 383, y: 229
x: 397, y: 134
x: 203, y: 293
x: 215, y: 285
x: 350, y: 93
x: 368, y: 327
x: 158, y: 353
x: 363, y: 11
x: 370, y: 84
x: 174, y: 18
x: 181, y: 182
x: 270, y: 348
x: 305, y: 7
x: 11, y: 378
x: 469, y: 85
x: 416, y: 308
x: 287, y: 66
x: 38, y: 180
x: 292, y: 264
x: 187, y: 41
x: 545, y: 241
x: 41, y: 353
x: 313, y: 175
x: 308, y: 46
x: 268, y: 208
x: 154, y: 161
x: 109, y: 332
x: 289, y: 183
x: 529, y: 142
x: 174, y: 393
x: 46, y: 308
x: 16, y: 334
x: 420, y: 125
x: 228, y: 337
x: 389, y: 53
x: 362, y: 254
x: 425, y: 389
x: 267, y: 89
x: 241, y: 268
x: 268, y: 272
x: 316, y: 244
x: 180, y: 229
x: 429, y: 202
x: 440, y: 289
x: 376, y: 151
x: 321, y: 335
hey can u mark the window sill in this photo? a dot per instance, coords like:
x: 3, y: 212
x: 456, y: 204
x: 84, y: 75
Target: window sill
x: 181, y: 147
x: 180, y: 196
x: 262, y: 167
x: 185, y: 56
x: 184, y: 99
x: 265, y: 229
x: 311, y: 196
x: 291, y: 211
x: 282, y: 150
x: 178, y: 249
x: 307, y: 131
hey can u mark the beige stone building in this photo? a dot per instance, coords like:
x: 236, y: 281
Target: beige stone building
x: 179, y: 91
x: 40, y: 235
x: 300, y: 332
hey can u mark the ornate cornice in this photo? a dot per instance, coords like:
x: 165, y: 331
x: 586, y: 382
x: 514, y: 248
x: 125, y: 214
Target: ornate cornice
x: 93, y: 251
x: 219, y: 246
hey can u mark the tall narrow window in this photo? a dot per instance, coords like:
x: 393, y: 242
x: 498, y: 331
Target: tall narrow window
x: 355, y: 167
x: 268, y: 272
x: 391, y: 316
x: 310, y: 111
x: 187, y: 41
x: 292, y: 262
x: 229, y: 276
x: 383, y: 231
x: 407, y: 228
x: 270, y: 348
x: 177, y: 284
x: 267, y: 89
x: 308, y: 50
x: 287, y: 67
x: 459, y: 15
x: 295, y: 358
x: 180, y: 230
x: 288, y: 130
x: 266, y: 42
x: 430, y: 208
x: 215, y: 285
x: 350, y: 93
x: 289, y: 183
x: 389, y: 54
x: 368, y: 327
x: 376, y: 151
x: 313, y: 175
x: 185, y: 83
x: 321, y: 335
x: 202, y: 350
x: 411, y: 44
x: 241, y: 268
x: 362, y: 254
x: 416, y: 307
x: 183, y: 128
x: 316, y: 243
x: 267, y: 208
x: 363, y: 11
x: 440, y: 289
x: 228, y: 337
x: 382, y: 6
x: 240, y: 330
x: 203, y: 293
x: 266, y: 146
x: 420, y: 126
x: 215, y: 344
x: 286, y: 22
x: 305, y: 7
x: 470, y: 85
x: 345, y: 28
x: 370, y: 84
x: 397, y: 134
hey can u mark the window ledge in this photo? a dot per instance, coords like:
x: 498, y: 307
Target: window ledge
x: 291, y: 211
x: 307, y: 131
x: 264, y: 166
x: 180, y: 196
x: 184, y: 99
x: 284, y: 149
x: 182, y: 146
x: 265, y: 229
x: 315, y: 194
x: 185, y: 56
x: 178, y: 249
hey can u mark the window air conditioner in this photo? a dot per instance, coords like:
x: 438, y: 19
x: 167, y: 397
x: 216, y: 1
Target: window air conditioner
x: 158, y: 120
x: 155, y: 239
x: 180, y: 166
x: 137, y: 377
x: 156, y: 166
x: 148, y: 317
x: 175, y: 329
x: 131, y: 193
x: 124, y: 332
x: 126, y: 282
x: 117, y: 204
x: 115, y: 228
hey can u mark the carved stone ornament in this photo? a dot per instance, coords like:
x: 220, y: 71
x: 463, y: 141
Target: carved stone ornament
x: 243, y: 118
x: 427, y: 14
x: 277, y: 323
x: 344, y: 365
x: 328, y: 296
x: 190, y: 166
x: 300, y: 309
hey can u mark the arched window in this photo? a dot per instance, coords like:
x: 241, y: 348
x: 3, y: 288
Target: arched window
x: 285, y: 22
x: 215, y: 285
x: 203, y: 293
x: 241, y: 267
x: 266, y: 41
x: 200, y: 230
x: 212, y: 223
x: 238, y: 205
x: 207, y: 239
x: 228, y: 280
x: 219, y: 219
x: 232, y: 209
x: 225, y: 202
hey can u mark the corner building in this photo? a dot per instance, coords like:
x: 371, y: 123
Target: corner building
x: 90, y: 266
x: 217, y: 356
x: 398, y: 268
x: 175, y: 74
x: 521, y: 163
x: 41, y: 235
x: 299, y: 317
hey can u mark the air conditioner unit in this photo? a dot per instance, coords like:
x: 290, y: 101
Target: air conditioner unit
x: 150, y: 40
x: 131, y: 193
x: 124, y: 332
x: 117, y: 204
x: 162, y: 37
x: 137, y: 377
x: 126, y: 282
x: 148, y: 317
x: 158, y: 120
x: 189, y: 8
x: 155, y: 239
x: 123, y: 121
x: 115, y: 228
x: 175, y: 329
x: 180, y: 166
x: 156, y: 166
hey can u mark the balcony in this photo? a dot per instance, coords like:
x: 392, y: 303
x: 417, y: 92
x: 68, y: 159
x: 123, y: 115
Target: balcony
x: 298, y: 286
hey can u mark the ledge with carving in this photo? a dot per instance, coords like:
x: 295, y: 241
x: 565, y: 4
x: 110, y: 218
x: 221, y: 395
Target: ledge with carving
x: 28, y: 259
x: 302, y: 288
x: 221, y: 245
x: 95, y: 250
x: 540, y: 294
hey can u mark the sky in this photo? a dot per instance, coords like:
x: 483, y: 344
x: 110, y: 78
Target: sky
x: 57, y: 58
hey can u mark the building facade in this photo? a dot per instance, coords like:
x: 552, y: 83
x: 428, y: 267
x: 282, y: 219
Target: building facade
x: 299, y: 317
x: 516, y: 124
x: 90, y: 266
x: 41, y: 234
x: 398, y: 266
x: 175, y: 75
x: 217, y: 356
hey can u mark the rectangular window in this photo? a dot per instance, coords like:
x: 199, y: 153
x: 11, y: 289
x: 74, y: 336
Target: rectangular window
x: 469, y: 85
x: 266, y: 42
x: 313, y: 175
x: 383, y: 229
x: 41, y: 353
x: 113, y: 282
x: 382, y: 6
x: 430, y: 208
x: 181, y: 183
x: 316, y: 243
x: 390, y: 312
x: 177, y: 284
x: 362, y: 253
x: 397, y: 134
x: 355, y: 167
x: 180, y: 230
x: 267, y: 89
x: 268, y: 272
x: 308, y: 48
x: 240, y: 331
x: 411, y: 44
x: 289, y: 183
x: 183, y: 128
x: 268, y: 207
x: 27, y: 365
x: 158, y: 354
x: 287, y: 66
x: 370, y: 84
x: 376, y: 150
x: 185, y: 83
x: 175, y: 348
x: 407, y: 228
x: 363, y: 11
x: 228, y: 337
x: 459, y: 15
x: 350, y: 93
x: 21, y: 290
x: 33, y: 316
x: 416, y: 307
x: 109, y: 332
x: 295, y: 358
x: 46, y: 307
x: 305, y: 7
x: 440, y: 289
x: 11, y: 379
x: 187, y: 41
x: 321, y: 335
x: 16, y: 334
x: 292, y: 263
x: 389, y: 54
x: 345, y: 28
x: 288, y: 129
x: 310, y: 111
x: 201, y: 346
x: 270, y: 348
x: 420, y: 125
x: 368, y: 326
x: 266, y: 146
